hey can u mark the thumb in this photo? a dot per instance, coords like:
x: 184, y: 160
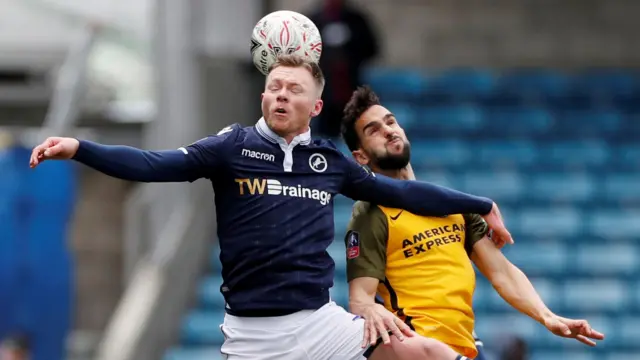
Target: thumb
x: 564, y: 329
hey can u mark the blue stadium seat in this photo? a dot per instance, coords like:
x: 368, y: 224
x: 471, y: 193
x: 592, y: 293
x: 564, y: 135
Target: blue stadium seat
x: 439, y: 177
x: 341, y: 221
x: 494, y: 328
x: 610, y: 224
x: 342, y: 147
x: 439, y: 153
x: 482, y: 293
x: 504, y: 152
x: 448, y: 119
x: 607, y: 259
x: 391, y: 84
x: 500, y: 186
x: 343, y: 202
x: 575, y: 153
x: 340, y: 292
x: 609, y: 83
x: 541, y: 257
x: 209, y: 292
x: 462, y: 82
x: 203, y: 328
x: 548, y: 290
x: 588, y: 122
x: 405, y: 113
x: 626, y: 156
x: 337, y: 252
x: 558, y: 186
x: 596, y: 295
x: 628, y: 330
x: 214, y: 261
x: 504, y: 121
x: 559, y: 221
x: 564, y: 355
x: 534, y: 82
x: 200, y: 353
x: 621, y: 187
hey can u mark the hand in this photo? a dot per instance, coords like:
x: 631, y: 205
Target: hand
x: 576, y: 329
x: 54, y: 148
x: 379, y: 322
x: 500, y: 235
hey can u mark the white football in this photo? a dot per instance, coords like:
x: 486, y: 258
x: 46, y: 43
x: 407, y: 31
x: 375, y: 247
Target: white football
x: 284, y: 32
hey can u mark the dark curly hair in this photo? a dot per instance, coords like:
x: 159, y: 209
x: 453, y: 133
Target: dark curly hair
x: 361, y: 100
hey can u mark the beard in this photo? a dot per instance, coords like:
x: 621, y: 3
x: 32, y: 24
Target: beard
x: 389, y: 161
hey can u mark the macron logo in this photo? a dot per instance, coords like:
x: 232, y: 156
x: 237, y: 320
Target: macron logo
x: 258, y: 155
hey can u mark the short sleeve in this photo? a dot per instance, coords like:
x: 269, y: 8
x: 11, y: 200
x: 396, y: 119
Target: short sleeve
x: 209, y: 154
x: 366, y: 242
x: 476, y: 229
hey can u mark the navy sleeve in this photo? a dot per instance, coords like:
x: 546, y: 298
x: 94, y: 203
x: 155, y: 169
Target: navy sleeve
x: 188, y: 163
x: 418, y: 197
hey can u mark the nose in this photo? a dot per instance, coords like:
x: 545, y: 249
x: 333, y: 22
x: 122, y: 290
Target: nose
x: 282, y: 96
x: 388, y: 132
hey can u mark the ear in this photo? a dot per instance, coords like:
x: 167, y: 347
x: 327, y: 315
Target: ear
x: 261, y: 96
x: 317, y: 108
x: 360, y: 157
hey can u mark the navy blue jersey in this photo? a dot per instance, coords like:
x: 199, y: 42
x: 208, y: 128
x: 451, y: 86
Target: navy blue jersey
x: 274, y: 203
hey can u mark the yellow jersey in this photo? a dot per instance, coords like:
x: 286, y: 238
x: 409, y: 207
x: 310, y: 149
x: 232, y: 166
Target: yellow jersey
x: 422, y: 263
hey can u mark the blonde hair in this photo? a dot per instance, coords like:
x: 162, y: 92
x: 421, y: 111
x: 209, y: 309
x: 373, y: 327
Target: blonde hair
x: 295, y: 61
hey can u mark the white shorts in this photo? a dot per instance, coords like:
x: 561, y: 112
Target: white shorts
x: 329, y: 333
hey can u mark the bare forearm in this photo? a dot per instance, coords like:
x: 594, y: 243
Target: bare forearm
x: 516, y: 289
x: 362, y: 294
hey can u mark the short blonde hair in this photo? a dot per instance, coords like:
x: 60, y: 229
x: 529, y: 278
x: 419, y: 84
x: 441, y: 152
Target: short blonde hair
x: 295, y: 61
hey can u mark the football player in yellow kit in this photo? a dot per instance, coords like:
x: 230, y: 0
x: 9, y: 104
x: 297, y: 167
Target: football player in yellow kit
x: 422, y: 266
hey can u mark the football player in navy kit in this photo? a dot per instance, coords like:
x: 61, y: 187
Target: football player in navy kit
x: 273, y: 189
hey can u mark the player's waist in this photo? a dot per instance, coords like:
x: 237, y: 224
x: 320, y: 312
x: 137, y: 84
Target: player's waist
x: 275, y: 304
x: 275, y: 320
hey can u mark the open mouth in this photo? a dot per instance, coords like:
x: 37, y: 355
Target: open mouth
x: 281, y: 111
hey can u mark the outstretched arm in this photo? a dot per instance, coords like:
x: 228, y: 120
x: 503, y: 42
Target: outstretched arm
x: 420, y: 198
x: 189, y: 163
x: 516, y: 289
x: 134, y: 164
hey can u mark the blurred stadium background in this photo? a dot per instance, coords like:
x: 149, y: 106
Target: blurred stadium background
x: 533, y: 103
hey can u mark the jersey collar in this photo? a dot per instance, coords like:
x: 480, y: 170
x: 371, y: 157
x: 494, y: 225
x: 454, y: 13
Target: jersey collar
x: 264, y: 131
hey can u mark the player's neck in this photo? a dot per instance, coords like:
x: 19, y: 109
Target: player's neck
x: 406, y: 173
x: 288, y: 137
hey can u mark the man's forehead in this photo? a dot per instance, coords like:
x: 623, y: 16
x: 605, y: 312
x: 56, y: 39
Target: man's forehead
x: 374, y: 113
x: 290, y: 74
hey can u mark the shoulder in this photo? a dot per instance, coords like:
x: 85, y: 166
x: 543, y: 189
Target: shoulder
x: 223, y: 136
x: 326, y: 146
x: 367, y: 214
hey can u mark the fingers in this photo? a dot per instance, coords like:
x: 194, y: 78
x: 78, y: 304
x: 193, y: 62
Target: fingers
x: 404, y: 328
x: 585, y: 340
x: 366, y: 339
x: 54, y: 151
x: 47, y: 149
x: 395, y: 330
x: 560, y: 328
x: 383, y: 332
x: 596, y: 335
x: 504, y: 235
x: 37, y: 154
